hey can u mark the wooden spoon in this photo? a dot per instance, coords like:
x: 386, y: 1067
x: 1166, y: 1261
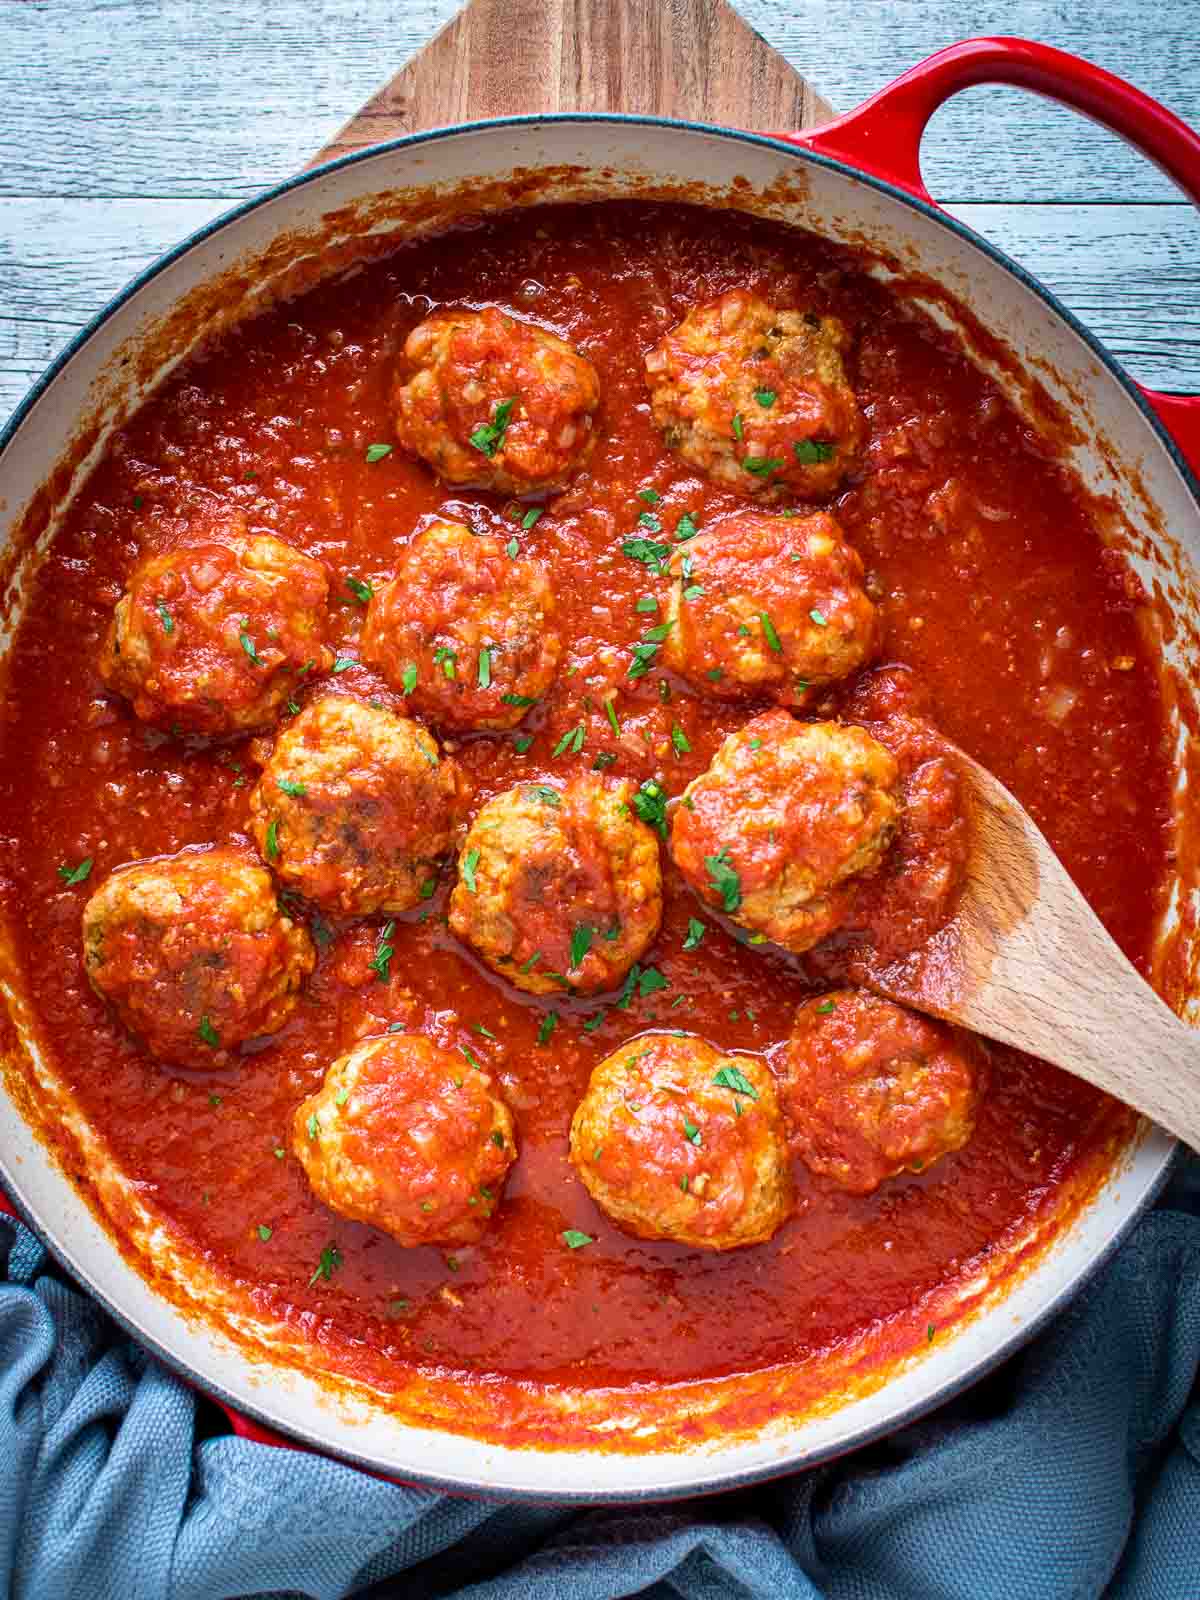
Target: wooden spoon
x: 1027, y: 961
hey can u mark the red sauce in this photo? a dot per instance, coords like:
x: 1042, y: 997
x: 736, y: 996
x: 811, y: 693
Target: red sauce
x: 993, y: 586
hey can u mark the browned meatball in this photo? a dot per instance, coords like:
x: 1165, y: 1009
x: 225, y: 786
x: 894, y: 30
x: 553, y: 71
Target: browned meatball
x: 559, y: 888
x: 194, y: 954
x: 768, y: 605
x: 676, y: 1141
x: 494, y: 403
x: 214, y: 638
x: 757, y: 398
x: 468, y: 634
x: 871, y: 1090
x: 355, y: 807
x: 787, y: 814
x: 409, y: 1138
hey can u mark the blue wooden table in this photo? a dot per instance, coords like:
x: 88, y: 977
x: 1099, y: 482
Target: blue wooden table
x: 124, y: 124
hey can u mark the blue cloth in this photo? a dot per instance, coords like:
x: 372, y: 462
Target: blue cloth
x: 1072, y: 1472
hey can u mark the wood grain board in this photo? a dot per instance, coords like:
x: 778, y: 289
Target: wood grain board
x: 692, y: 59
x: 118, y: 141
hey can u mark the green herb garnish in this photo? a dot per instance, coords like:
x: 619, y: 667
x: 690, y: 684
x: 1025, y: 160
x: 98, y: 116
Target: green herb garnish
x: 489, y: 437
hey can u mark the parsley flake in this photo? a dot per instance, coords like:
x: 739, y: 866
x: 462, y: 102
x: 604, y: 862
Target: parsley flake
x: 522, y: 700
x: 734, y: 1078
x: 686, y: 528
x: 810, y: 451
x: 360, y: 592
x: 646, y: 603
x: 650, y: 496
x: 273, y: 840
x: 531, y: 516
x: 469, y: 862
x: 819, y: 618
x: 691, y: 1132
x: 384, y: 951
x: 680, y: 740
x: 650, y: 803
x: 208, y: 1033
x: 264, y: 1233
x: 247, y: 643
x: 768, y: 628
x: 73, y: 875
x: 331, y: 1256
x: 611, y: 713
x: 739, y: 432
x: 286, y: 786
x: 376, y: 452
x: 574, y: 1240
x: 649, y: 552
x: 484, y: 675
x: 344, y: 663
x: 165, y: 617
x: 408, y: 679
x: 826, y: 1008
x: 489, y: 437
x: 695, y: 932
x: 512, y: 549
x: 521, y: 744
x: 723, y: 880
x: 765, y: 397
x: 544, y: 793
x: 548, y: 1025
x: 581, y: 943
x: 762, y: 466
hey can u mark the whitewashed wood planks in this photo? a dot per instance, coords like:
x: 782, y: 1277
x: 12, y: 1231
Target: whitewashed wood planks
x: 126, y: 124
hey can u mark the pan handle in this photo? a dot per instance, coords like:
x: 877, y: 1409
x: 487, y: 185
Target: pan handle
x: 883, y: 138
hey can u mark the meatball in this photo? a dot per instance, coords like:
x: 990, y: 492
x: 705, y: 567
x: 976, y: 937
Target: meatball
x: 494, y: 403
x: 757, y: 398
x: 465, y: 632
x: 194, y: 954
x: 559, y: 888
x: 768, y: 605
x: 785, y: 817
x: 871, y: 1090
x: 409, y: 1138
x: 674, y: 1140
x: 354, y: 807
x: 212, y: 639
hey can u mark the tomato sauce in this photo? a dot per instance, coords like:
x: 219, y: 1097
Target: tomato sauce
x: 995, y: 591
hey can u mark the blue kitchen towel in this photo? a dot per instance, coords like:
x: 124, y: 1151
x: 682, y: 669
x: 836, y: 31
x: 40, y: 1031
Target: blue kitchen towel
x: 1072, y: 1472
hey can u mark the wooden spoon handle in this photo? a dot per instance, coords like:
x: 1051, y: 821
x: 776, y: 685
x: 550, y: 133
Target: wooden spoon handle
x: 1039, y: 971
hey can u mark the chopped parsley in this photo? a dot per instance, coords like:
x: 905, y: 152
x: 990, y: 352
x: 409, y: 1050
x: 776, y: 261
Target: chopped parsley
x: 344, y: 663
x: 286, y: 786
x: 680, y: 740
x: 531, y: 516
x: 826, y: 1008
x: 683, y: 1183
x: 715, y: 674
x: 650, y: 496
x: 280, y: 1152
x: 809, y: 451
x: 208, y: 1033
x: 693, y: 591
x: 522, y: 700
x: 548, y: 1025
x: 819, y: 618
x: 331, y: 1256
x: 739, y: 432
x: 360, y: 591
x: 691, y: 1132
x: 489, y: 437
x: 765, y: 397
x: 762, y: 466
x: 686, y: 527
x: 376, y: 452
x: 384, y: 951
x: 611, y: 714
x: 264, y: 1233
x: 408, y: 679
x: 247, y: 643
x: 164, y: 616
x: 647, y: 519
x: 498, y: 1139
x: 574, y: 1240
x: 930, y: 1330
x: 650, y: 803
x: 696, y: 932
x: 572, y: 740
x: 313, y: 1125
x: 469, y: 862
x: 603, y: 760
x: 768, y: 628
x: 521, y: 744
x: 648, y: 551
x: 484, y: 675
x: 723, y: 880
x: 273, y: 840
x: 512, y: 549
x: 428, y: 889
x: 646, y: 649
x: 478, y: 1027
x: 470, y: 1058
x: 642, y: 981
x: 646, y: 603
x: 581, y: 943
x: 528, y: 966
x: 446, y: 658
x: 73, y: 875
x: 734, y: 1078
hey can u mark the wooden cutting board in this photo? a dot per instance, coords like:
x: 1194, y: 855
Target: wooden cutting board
x: 695, y: 59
